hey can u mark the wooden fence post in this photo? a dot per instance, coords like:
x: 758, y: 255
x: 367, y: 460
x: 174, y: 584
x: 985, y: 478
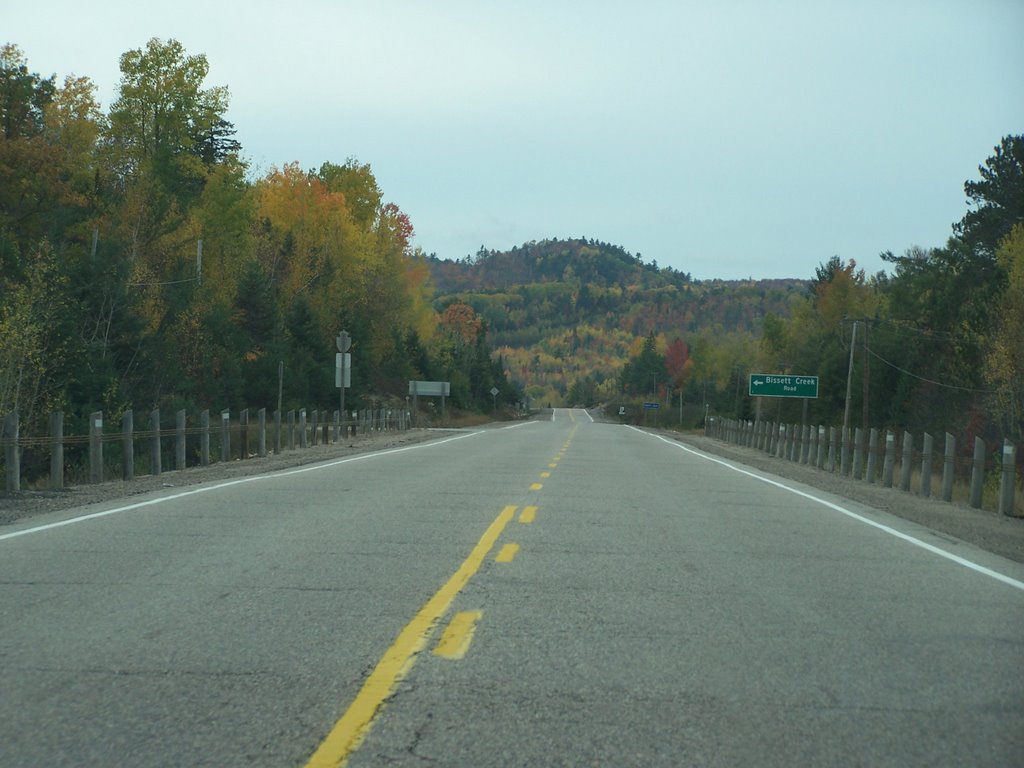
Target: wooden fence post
x: 57, y: 450
x: 948, y: 467
x: 96, y: 447
x: 926, y: 465
x: 337, y: 426
x: 225, y: 436
x: 12, y: 456
x: 179, y: 440
x: 906, y: 465
x: 261, y: 415
x: 155, y: 467
x: 243, y: 426
x: 858, y: 454
x: 890, y: 458
x: 302, y: 428
x: 873, y: 455
x: 830, y: 463
x: 128, y: 445
x: 277, y: 431
x: 820, y: 461
x: 978, y: 472
x: 291, y: 430
x: 204, y: 437
x: 1009, y: 478
x: 844, y: 461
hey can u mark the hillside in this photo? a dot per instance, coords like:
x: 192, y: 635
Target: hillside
x: 562, y: 310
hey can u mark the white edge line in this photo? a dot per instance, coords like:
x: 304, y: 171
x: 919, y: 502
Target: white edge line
x: 880, y: 526
x: 228, y: 484
x: 588, y: 415
x: 520, y: 424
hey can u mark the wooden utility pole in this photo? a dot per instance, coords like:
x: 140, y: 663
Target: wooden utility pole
x: 867, y: 379
x: 849, y: 380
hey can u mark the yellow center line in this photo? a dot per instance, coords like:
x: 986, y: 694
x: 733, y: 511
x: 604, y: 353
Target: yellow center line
x: 536, y: 486
x: 456, y: 638
x: 349, y: 732
x: 553, y: 464
x: 545, y: 474
x: 507, y: 553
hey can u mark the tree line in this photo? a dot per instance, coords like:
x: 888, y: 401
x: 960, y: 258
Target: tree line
x: 141, y: 264
x: 935, y: 343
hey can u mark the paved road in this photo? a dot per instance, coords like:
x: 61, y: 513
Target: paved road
x: 556, y: 593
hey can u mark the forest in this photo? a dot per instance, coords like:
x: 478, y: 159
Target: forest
x: 142, y: 265
x: 934, y: 342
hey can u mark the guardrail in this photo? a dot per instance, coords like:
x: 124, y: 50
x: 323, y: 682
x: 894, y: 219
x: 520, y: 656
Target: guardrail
x: 296, y: 430
x: 887, y: 459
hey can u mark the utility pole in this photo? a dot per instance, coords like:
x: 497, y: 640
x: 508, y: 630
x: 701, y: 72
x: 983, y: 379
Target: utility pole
x: 849, y: 380
x: 867, y: 379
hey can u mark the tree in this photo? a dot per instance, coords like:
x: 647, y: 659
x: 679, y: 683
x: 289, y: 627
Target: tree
x: 643, y: 372
x: 998, y: 197
x: 161, y: 108
x: 677, y: 362
x: 1004, y: 362
x: 24, y: 95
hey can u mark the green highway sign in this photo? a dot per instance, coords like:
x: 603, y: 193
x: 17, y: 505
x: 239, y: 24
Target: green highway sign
x: 783, y: 385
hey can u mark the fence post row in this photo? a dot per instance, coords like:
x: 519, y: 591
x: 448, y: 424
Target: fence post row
x: 806, y: 444
x: 326, y: 427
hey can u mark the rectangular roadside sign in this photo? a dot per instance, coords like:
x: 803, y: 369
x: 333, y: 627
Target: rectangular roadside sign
x: 783, y: 385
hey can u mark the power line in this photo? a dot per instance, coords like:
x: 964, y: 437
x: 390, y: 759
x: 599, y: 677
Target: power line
x: 165, y: 282
x: 930, y: 381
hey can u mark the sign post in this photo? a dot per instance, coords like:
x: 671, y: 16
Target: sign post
x: 344, y: 378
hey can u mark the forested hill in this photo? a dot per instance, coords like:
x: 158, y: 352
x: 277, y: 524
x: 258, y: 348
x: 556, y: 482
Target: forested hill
x: 551, y: 284
x: 585, y: 261
x: 560, y: 310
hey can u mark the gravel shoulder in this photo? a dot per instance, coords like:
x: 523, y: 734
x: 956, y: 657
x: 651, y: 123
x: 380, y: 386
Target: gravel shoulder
x: 986, y: 529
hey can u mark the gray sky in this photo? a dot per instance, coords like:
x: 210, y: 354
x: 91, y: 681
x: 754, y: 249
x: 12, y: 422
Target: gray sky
x: 725, y: 139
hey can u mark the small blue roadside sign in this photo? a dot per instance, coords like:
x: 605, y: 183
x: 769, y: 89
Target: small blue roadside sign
x: 652, y: 405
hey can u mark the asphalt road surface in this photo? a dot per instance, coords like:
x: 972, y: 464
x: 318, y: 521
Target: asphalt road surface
x: 555, y: 593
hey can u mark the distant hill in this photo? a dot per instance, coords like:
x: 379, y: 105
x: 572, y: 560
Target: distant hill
x: 558, y: 310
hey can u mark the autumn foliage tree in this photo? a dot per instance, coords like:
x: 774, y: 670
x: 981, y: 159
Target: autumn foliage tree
x: 105, y: 302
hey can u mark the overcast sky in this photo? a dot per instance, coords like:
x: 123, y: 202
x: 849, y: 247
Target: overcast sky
x: 725, y: 139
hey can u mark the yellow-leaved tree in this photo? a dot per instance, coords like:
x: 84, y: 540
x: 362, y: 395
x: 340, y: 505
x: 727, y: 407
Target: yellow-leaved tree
x: 1004, y: 363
